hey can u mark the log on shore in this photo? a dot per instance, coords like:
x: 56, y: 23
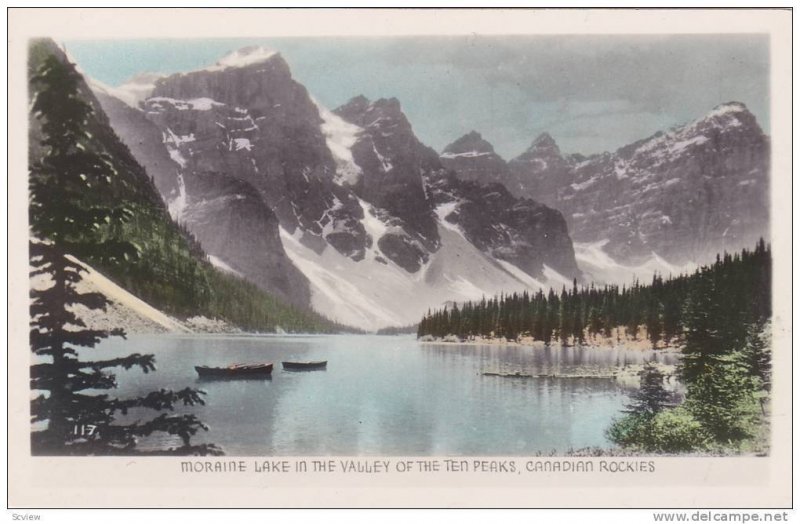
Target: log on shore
x: 518, y: 374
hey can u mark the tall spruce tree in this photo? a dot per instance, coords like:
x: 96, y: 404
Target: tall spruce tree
x: 651, y: 397
x: 68, y: 417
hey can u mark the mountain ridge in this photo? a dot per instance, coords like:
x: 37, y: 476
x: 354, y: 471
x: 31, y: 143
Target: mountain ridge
x: 669, y: 194
x: 354, y: 187
x: 347, y: 186
x: 172, y: 273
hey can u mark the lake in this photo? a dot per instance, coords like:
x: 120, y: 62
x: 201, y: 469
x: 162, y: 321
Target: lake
x: 386, y: 395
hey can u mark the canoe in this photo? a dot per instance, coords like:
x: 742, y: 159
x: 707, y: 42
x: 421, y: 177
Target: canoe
x: 305, y: 366
x: 235, y: 370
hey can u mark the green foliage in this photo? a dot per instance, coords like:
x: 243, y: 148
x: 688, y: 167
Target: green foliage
x: 66, y: 224
x: 652, y: 426
x: 651, y: 397
x: 724, y: 411
x: 168, y: 268
x: 755, y: 357
x: 725, y: 362
x: 706, y: 310
x: 398, y: 330
x: 724, y: 399
x: 670, y: 431
x: 173, y: 276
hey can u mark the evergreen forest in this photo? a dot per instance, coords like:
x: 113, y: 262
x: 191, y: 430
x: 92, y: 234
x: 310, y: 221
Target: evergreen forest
x: 718, y: 317
x: 734, y: 290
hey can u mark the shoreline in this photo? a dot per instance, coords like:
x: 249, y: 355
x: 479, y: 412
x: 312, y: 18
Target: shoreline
x: 529, y: 342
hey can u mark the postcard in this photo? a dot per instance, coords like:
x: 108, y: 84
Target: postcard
x: 435, y: 258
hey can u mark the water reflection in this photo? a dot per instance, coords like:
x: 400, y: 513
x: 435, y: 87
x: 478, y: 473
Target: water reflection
x: 389, y: 395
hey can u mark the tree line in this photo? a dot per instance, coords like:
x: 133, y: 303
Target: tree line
x: 719, y: 318
x: 725, y: 367
x: 738, y: 284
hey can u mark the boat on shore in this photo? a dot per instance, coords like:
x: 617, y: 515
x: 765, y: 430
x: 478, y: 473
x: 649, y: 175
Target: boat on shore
x: 236, y: 370
x: 305, y: 366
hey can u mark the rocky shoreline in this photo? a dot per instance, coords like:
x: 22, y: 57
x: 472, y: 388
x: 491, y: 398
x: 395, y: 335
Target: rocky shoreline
x: 613, y: 342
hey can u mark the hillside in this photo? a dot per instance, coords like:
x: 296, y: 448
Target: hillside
x: 345, y: 210
x: 171, y: 271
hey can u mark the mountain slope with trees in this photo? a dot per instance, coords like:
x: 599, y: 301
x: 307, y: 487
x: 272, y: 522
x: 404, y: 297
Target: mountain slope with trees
x: 171, y: 271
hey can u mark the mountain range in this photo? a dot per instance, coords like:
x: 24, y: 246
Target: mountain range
x: 346, y: 211
x: 169, y: 273
x: 683, y: 195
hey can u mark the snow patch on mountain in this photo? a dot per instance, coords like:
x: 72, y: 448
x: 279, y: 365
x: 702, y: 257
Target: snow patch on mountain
x: 243, y: 57
x: 678, y: 147
x: 241, y: 143
x: 220, y: 264
x: 131, y: 93
x: 443, y: 211
x: 173, y: 143
x: 467, y: 154
x: 727, y: 113
x: 601, y: 268
x: 373, y: 225
x: 176, y: 156
x: 371, y: 293
x: 584, y: 185
x: 386, y: 164
x: 340, y: 137
x: 347, y: 291
x: 554, y: 278
x: 177, y: 206
x: 194, y: 104
x: 521, y: 275
x: 681, y: 138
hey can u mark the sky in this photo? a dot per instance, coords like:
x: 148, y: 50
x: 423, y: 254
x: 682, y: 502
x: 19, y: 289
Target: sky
x: 591, y: 93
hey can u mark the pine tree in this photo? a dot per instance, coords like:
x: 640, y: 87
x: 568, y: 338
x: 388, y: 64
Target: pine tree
x: 564, y: 318
x: 705, y: 344
x: 577, y: 321
x: 672, y: 316
x: 653, y: 321
x: 651, y: 397
x: 64, y: 229
x: 756, y: 357
x: 595, y: 321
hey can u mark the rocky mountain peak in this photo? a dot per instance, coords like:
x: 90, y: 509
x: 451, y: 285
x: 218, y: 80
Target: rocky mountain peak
x: 543, y: 154
x: 732, y: 108
x: 544, y: 140
x: 392, y: 160
x: 246, y: 56
x: 472, y: 142
x: 728, y: 116
x: 472, y: 158
x: 685, y: 193
x: 539, y: 171
x: 543, y: 145
x: 385, y: 114
x: 388, y: 104
x: 354, y: 108
x: 255, y: 79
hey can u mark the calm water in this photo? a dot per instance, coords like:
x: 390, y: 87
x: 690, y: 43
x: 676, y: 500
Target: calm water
x: 387, y: 395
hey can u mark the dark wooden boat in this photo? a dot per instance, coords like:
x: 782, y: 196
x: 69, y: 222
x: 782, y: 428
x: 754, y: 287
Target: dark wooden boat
x: 236, y: 370
x: 305, y: 366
